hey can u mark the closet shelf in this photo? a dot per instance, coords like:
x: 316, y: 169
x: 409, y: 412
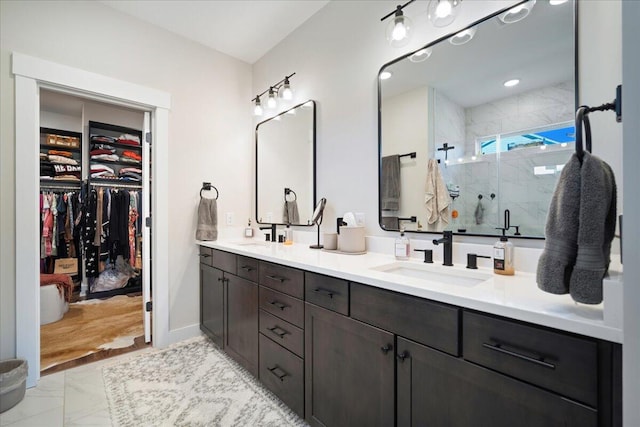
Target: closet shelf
x: 116, y: 162
x: 60, y: 147
x: 119, y: 145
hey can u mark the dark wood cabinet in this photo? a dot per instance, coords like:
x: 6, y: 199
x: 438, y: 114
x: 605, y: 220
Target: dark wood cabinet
x: 212, y: 286
x: 349, y: 371
x: 241, y: 318
x: 435, y: 389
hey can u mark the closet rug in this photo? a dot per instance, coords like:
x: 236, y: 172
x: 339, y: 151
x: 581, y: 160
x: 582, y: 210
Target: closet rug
x: 192, y: 383
x: 90, y: 327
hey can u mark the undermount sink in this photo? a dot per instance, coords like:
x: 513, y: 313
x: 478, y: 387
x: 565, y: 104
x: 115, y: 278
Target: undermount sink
x: 437, y: 274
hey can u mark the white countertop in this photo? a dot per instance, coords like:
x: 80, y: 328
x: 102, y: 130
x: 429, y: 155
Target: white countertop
x: 516, y: 297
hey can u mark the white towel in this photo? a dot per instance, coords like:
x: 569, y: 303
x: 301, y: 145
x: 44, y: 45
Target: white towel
x: 436, y: 197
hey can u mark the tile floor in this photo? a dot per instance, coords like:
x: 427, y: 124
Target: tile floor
x: 75, y: 397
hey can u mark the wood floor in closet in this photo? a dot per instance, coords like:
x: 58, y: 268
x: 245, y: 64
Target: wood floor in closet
x: 92, y: 330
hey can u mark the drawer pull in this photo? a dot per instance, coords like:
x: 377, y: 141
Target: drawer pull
x: 538, y: 361
x: 204, y: 255
x: 276, y: 278
x: 278, y: 304
x: 246, y: 268
x: 403, y: 355
x: 277, y: 330
x: 277, y: 368
x: 387, y: 348
x: 324, y: 292
x: 220, y: 279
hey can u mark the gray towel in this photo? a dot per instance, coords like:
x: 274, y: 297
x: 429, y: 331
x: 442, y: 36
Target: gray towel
x: 596, y: 230
x: 390, y: 183
x: 561, y: 232
x: 207, y: 228
x: 290, y: 213
x: 390, y: 223
x: 479, y: 213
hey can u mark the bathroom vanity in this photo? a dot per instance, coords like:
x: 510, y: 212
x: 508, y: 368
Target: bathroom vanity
x: 350, y: 341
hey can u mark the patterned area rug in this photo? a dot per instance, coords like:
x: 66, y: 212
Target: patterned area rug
x: 191, y: 384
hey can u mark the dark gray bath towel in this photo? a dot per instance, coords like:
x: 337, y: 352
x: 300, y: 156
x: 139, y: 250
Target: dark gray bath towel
x: 479, y: 213
x: 207, y: 228
x: 390, y: 223
x: 561, y: 232
x: 290, y: 214
x: 596, y: 231
x: 390, y: 183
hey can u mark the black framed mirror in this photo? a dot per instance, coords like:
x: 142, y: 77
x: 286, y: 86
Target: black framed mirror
x: 459, y: 144
x: 286, y: 166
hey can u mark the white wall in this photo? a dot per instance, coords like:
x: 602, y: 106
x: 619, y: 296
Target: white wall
x: 210, y: 124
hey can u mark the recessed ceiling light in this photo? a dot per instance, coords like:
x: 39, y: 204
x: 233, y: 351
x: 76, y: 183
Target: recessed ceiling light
x: 385, y: 75
x: 463, y: 36
x: 557, y: 2
x: 421, y: 55
x: 511, y: 83
x: 517, y: 13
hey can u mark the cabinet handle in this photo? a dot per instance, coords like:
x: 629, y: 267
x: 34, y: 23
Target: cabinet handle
x: 204, y: 255
x: 403, y: 355
x: 246, y: 268
x: 276, y: 278
x: 278, y: 304
x: 275, y: 330
x: 387, y: 348
x: 324, y: 292
x: 280, y: 377
x: 538, y: 361
x: 220, y: 279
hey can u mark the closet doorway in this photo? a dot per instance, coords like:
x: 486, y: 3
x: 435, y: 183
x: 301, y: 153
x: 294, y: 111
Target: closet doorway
x: 95, y: 264
x: 30, y: 75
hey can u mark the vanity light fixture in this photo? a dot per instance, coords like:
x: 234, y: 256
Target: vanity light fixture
x: 517, y: 13
x: 274, y: 90
x: 400, y: 28
x: 463, y: 36
x: 511, y: 83
x: 442, y: 12
x: 385, y: 75
x: 421, y: 55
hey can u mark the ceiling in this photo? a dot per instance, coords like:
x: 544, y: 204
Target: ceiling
x: 245, y: 30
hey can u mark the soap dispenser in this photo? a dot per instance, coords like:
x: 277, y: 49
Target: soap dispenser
x: 248, y: 232
x: 503, y: 256
x: 402, y: 246
x: 288, y: 235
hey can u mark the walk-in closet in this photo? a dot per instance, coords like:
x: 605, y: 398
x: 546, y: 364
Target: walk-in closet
x: 95, y: 285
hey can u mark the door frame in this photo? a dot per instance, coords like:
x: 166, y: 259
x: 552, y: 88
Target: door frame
x: 32, y: 74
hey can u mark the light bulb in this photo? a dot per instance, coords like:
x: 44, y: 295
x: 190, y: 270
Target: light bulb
x: 421, y: 55
x: 287, y: 93
x: 517, y: 13
x: 399, y: 31
x: 511, y: 83
x: 463, y: 36
x: 271, y: 102
x: 257, y: 110
x: 385, y: 75
x: 443, y: 9
x: 557, y: 2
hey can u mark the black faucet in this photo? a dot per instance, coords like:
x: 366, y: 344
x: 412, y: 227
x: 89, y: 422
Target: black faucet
x: 272, y: 227
x: 447, y: 240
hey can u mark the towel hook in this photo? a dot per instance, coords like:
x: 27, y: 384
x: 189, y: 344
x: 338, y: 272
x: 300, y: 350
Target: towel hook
x: 207, y: 186
x: 582, y: 118
x: 288, y: 191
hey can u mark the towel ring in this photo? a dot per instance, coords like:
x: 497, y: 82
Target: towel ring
x: 288, y: 191
x: 582, y: 118
x: 207, y: 186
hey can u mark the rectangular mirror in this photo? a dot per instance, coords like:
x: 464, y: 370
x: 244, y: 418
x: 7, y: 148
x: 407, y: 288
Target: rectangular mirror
x: 285, y: 166
x: 494, y: 146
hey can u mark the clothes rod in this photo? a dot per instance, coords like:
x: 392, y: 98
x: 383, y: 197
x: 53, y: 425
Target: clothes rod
x: 412, y: 155
x: 120, y: 185
x: 59, y: 187
x: 410, y: 219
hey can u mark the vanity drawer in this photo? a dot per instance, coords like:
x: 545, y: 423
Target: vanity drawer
x: 559, y: 362
x: 284, y: 333
x: 430, y: 323
x: 224, y: 261
x: 327, y: 292
x: 282, y: 306
x: 282, y: 372
x: 283, y: 279
x: 247, y: 268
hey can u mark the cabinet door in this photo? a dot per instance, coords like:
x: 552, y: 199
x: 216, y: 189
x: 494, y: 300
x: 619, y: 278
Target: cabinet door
x: 241, y: 339
x: 435, y: 389
x: 349, y: 378
x: 212, y: 303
